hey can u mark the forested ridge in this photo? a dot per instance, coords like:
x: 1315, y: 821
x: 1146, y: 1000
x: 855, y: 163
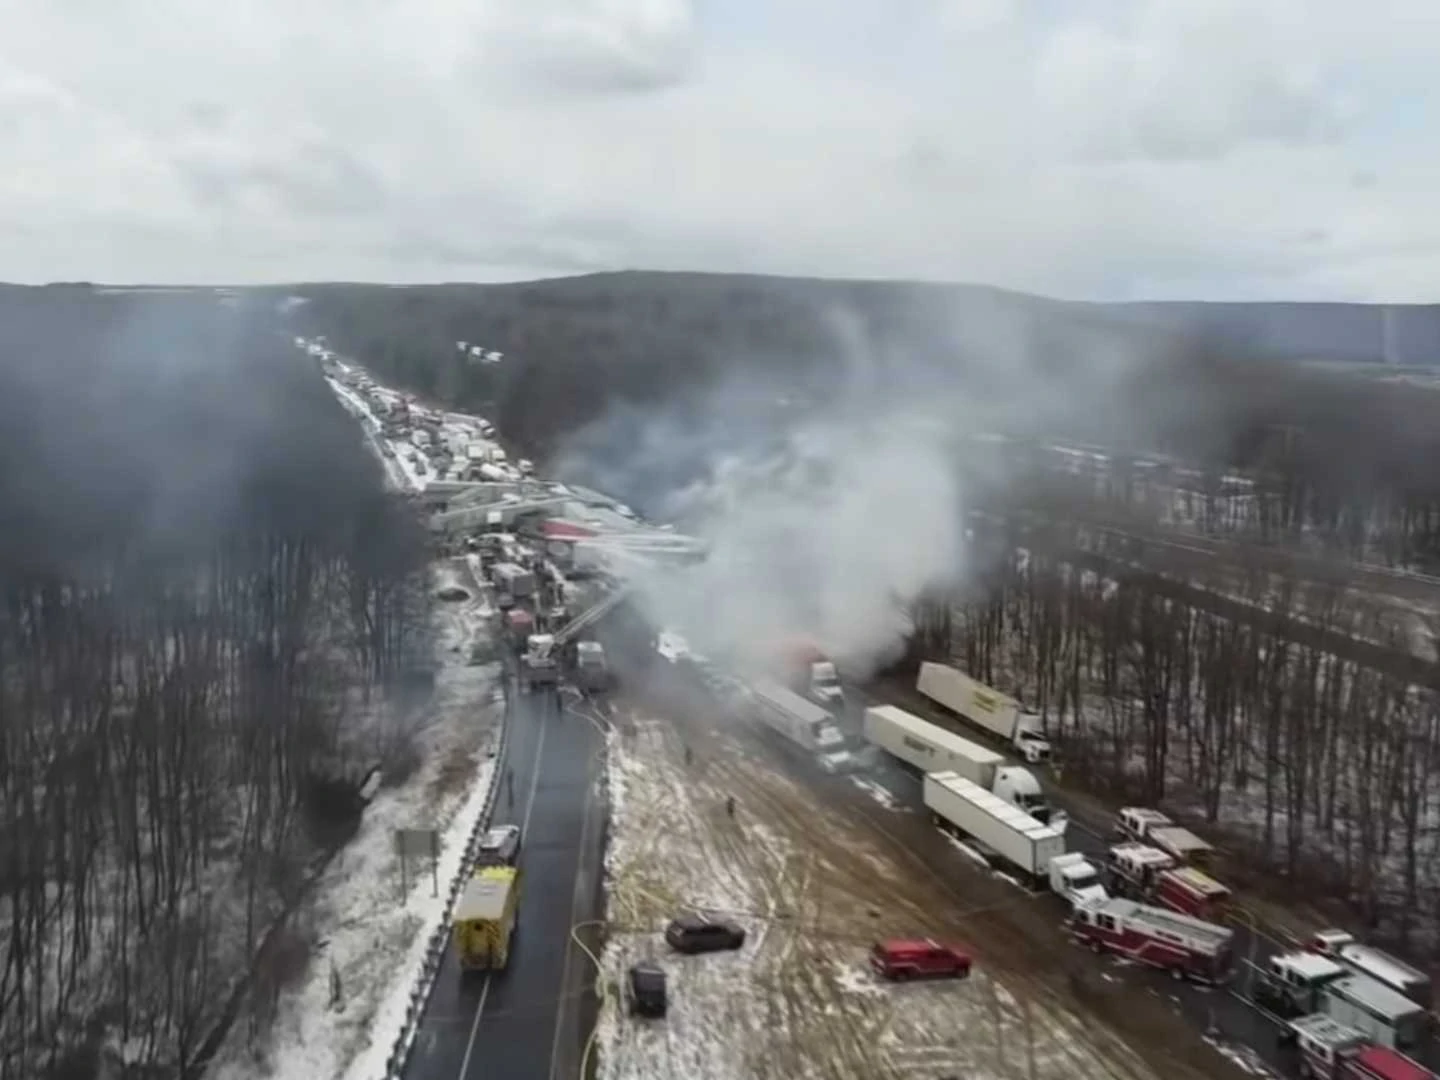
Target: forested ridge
x: 201, y: 583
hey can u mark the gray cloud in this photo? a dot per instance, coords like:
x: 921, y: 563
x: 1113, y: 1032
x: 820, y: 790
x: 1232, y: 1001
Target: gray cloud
x: 1080, y: 151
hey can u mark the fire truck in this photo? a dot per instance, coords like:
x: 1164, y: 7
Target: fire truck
x: 1332, y: 1051
x: 1187, y: 947
x: 1142, y: 872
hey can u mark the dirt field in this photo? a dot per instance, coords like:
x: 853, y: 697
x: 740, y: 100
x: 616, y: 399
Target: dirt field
x: 815, y: 885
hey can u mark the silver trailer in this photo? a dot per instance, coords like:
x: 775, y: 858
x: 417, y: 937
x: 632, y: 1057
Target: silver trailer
x: 964, y: 808
x: 802, y: 722
x: 929, y: 747
x: 1386, y: 1016
x: 513, y: 579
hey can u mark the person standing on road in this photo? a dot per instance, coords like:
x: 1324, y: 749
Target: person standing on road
x: 510, y: 785
x: 730, y: 807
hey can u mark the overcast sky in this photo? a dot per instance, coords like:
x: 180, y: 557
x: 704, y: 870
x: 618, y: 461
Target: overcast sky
x: 1089, y: 148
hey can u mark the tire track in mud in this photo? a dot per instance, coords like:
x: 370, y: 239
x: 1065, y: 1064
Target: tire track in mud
x: 856, y: 871
x: 985, y: 924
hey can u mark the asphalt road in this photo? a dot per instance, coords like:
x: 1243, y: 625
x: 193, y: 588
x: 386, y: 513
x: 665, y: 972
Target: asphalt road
x: 529, y: 1022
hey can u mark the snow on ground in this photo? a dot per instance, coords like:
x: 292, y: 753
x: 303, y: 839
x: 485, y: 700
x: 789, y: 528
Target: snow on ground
x: 813, y: 893
x: 345, y: 1013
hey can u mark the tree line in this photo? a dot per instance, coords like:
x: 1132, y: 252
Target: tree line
x: 200, y: 580
x: 1316, y: 767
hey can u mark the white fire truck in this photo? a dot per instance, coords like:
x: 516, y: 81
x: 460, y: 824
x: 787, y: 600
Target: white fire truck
x: 1187, y: 947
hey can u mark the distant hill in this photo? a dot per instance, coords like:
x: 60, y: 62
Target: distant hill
x: 1404, y: 334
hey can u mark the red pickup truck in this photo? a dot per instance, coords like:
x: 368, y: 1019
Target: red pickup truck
x: 901, y: 959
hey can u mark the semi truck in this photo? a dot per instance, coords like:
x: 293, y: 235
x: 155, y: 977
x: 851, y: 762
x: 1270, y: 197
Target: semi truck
x: 930, y: 748
x: 803, y: 723
x: 806, y: 670
x: 964, y: 809
x: 985, y: 708
x: 484, y: 919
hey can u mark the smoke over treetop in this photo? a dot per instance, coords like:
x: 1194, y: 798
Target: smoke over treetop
x: 831, y: 503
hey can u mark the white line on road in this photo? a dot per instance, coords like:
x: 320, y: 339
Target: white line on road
x: 474, y: 1028
x: 524, y: 830
x: 574, y: 912
x: 534, y: 781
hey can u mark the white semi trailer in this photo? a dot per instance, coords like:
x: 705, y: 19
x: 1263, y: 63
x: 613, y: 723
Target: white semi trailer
x: 930, y: 748
x: 986, y: 708
x: 802, y: 722
x: 965, y: 809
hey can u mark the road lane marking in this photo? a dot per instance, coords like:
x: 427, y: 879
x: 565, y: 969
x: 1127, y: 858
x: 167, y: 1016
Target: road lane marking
x: 534, y: 780
x: 474, y: 1028
x: 524, y: 831
x: 574, y: 911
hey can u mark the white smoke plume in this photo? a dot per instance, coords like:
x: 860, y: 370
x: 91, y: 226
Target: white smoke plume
x: 827, y: 525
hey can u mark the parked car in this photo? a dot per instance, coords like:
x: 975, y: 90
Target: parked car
x: 646, y: 990
x: 696, y: 934
x: 900, y: 959
x: 500, y: 846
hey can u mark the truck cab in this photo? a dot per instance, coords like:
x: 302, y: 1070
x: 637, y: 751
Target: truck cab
x: 825, y: 688
x: 1324, y: 1046
x: 1030, y: 738
x: 1290, y: 984
x: 1074, y: 878
x: 1135, y: 867
x: 1019, y: 787
x: 539, y: 666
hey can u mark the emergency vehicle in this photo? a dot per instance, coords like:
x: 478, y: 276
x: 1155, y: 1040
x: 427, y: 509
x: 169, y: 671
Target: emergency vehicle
x: 1187, y: 947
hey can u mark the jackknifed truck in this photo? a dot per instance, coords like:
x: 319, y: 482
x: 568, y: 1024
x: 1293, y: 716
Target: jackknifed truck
x: 1007, y: 835
x: 930, y: 748
x: 985, y: 708
x: 484, y: 919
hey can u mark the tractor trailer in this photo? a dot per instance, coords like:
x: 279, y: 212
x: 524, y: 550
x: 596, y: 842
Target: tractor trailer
x: 985, y: 708
x: 964, y: 809
x: 930, y: 748
x: 802, y: 722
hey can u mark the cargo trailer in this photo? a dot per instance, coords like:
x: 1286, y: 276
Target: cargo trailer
x: 985, y: 708
x: 931, y: 748
x: 803, y: 723
x: 965, y: 809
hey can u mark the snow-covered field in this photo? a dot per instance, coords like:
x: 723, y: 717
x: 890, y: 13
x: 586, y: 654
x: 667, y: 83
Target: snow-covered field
x: 814, y: 892
x: 342, y: 1017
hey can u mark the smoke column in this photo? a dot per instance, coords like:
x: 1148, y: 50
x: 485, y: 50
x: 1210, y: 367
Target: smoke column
x: 828, y: 521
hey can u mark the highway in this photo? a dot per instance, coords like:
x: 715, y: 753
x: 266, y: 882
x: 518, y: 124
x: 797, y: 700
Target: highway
x: 531, y: 1020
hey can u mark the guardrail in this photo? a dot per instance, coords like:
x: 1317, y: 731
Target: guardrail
x: 440, y: 936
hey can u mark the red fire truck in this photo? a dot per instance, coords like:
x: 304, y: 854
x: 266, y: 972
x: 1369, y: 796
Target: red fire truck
x: 1146, y: 873
x: 1187, y: 947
